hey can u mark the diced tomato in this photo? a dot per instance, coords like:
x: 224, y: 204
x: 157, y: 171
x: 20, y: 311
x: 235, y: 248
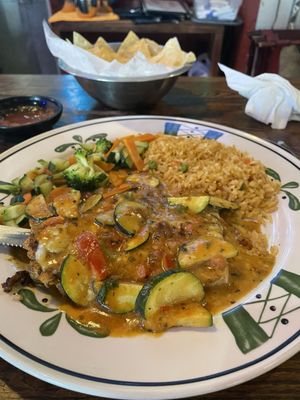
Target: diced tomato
x: 88, y: 248
x: 167, y: 262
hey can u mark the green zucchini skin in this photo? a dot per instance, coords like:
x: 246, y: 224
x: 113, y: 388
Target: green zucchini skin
x: 124, y: 296
x: 191, y: 315
x: 75, y: 278
x: 145, y: 303
x: 195, y: 204
x: 138, y: 240
x: 105, y: 218
x: 128, y: 217
x: 13, y: 212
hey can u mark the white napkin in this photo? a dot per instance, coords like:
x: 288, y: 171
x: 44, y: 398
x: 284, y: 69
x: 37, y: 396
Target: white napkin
x: 272, y: 99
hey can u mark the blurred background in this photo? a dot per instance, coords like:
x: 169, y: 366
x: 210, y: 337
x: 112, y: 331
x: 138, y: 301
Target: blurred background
x: 252, y: 36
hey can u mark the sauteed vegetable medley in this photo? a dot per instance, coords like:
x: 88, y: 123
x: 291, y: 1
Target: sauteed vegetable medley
x: 123, y: 253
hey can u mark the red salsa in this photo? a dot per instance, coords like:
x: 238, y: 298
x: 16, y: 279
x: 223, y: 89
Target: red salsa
x: 24, y: 115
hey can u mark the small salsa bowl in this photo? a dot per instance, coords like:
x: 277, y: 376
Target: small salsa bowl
x: 28, y: 114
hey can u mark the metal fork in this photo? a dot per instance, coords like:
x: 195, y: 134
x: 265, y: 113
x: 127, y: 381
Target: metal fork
x: 13, y: 236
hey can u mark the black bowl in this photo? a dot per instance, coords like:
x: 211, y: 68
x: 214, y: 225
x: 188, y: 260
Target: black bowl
x: 51, y: 112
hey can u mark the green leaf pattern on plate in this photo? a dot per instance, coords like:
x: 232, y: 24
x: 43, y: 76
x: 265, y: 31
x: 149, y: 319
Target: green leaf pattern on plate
x: 273, y: 174
x: 248, y: 330
x: 78, y: 138
x: 64, y: 147
x: 29, y: 300
x: 294, y: 203
x: 97, y: 136
x: 49, y: 327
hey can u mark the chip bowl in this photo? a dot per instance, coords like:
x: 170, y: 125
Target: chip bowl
x: 126, y: 93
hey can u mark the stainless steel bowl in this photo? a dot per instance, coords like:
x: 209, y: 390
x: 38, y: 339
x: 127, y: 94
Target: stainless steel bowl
x: 125, y: 93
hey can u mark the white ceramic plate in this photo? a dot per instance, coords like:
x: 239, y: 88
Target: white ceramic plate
x: 246, y: 341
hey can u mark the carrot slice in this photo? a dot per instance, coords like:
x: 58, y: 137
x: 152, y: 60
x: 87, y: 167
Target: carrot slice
x: 114, y: 145
x: 27, y: 197
x: 146, y: 137
x: 120, y: 189
x: 134, y: 154
x: 104, y: 165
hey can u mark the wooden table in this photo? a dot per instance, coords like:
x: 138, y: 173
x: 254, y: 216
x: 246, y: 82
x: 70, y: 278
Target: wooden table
x: 201, y: 98
x: 200, y: 33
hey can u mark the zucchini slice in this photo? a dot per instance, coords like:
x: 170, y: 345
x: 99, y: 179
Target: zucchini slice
x: 45, y: 188
x: 167, y: 289
x: 39, y: 179
x: 66, y: 204
x: 195, y: 204
x: 10, y: 188
x: 200, y: 250
x: 139, y: 239
x: 58, y: 165
x: 91, y: 202
x: 221, y: 203
x: 118, y: 297
x: 106, y: 218
x: 130, y: 216
x: 26, y: 184
x: 38, y: 209
x: 75, y: 278
x: 192, y: 315
x: 151, y: 181
x: 12, y: 212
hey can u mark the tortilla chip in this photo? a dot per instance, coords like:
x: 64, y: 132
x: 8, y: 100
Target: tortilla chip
x: 103, y: 50
x: 141, y: 46
x: 107, y: 55
x: 80, y: 41
x: 127, y: 43
x: 102, y: 43
x: 172, y: 55
x: 154, y: 47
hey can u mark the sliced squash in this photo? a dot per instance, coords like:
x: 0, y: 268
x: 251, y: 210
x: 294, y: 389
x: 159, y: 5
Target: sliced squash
x: 66, y: 203
x: 195, y: 204
x: 118, y: 297
x: 38, y: 209
x: 75, y: 278
x: 200, y: 250
x: 192, y: 315
x: 130, y: 216
x: 139, y: 239
x: 91, y: 202
x: 106, y: 218
x: 167, y: 289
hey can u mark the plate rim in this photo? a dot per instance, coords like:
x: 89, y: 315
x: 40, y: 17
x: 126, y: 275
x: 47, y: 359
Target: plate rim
x: 271, y: 359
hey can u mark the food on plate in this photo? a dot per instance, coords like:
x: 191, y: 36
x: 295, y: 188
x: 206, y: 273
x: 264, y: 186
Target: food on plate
x: 170, y: 54
x: 145, y: 233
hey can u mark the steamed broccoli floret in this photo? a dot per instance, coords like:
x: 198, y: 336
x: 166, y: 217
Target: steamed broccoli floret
x: 84, y: 175
x: 103, y: 145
